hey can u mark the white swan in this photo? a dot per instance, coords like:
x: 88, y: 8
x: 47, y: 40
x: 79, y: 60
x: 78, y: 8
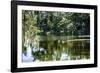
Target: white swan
x: 64, y: 56
x: 28, y: 57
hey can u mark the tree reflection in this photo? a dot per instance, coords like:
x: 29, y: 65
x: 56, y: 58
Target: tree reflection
x: 63, y: 50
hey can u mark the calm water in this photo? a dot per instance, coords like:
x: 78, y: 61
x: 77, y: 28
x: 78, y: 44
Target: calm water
x: 61, y: 48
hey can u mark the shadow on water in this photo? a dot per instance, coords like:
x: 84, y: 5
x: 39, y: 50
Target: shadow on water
x: 60, y: 49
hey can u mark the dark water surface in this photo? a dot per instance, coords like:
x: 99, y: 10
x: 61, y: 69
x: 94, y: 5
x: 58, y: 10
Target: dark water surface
x: 63, y: 48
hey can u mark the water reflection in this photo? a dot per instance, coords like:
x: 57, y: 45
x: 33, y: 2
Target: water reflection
x: 51, y: 49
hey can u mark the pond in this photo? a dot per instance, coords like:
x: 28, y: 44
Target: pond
x: 61, y: 48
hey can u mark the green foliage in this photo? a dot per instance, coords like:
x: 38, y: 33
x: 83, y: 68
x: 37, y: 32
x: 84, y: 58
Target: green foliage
x: 56, y: 23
